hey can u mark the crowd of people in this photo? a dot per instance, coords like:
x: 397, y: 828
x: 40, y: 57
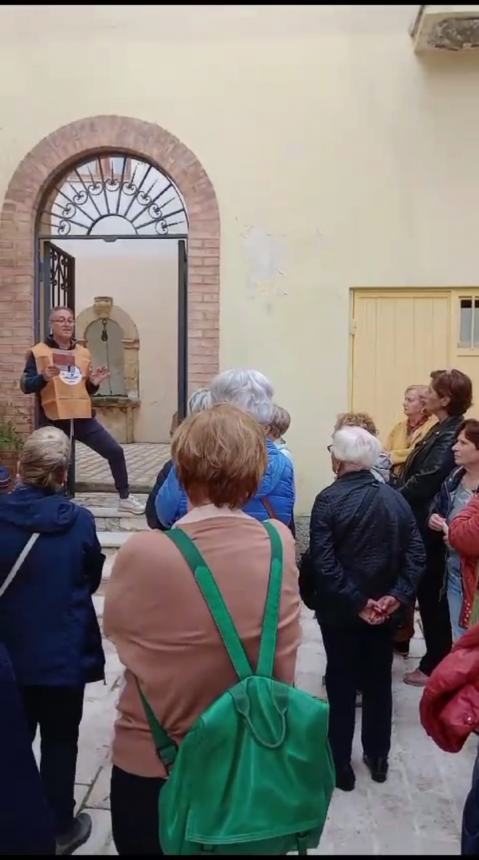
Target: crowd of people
x: 398, y: 523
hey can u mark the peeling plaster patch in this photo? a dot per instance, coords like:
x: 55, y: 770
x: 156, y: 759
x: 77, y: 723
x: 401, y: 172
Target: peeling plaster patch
x: 265, y: 255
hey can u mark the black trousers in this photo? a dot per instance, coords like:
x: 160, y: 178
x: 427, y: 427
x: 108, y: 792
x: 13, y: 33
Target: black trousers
x: 359, y: 657
x: 58, y: 712
x: 470, y: 817
x: 94, y: 436
x: 434, y: 614
x: 134, y: 812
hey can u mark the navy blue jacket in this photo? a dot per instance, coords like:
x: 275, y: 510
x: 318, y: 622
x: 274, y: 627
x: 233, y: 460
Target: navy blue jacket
x: 47, y: 618
x: 364, y: 543
x: 26, y: 822
x: 277, y: 487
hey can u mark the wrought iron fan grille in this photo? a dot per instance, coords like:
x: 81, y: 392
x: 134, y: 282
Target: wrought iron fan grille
x: 114, y: 194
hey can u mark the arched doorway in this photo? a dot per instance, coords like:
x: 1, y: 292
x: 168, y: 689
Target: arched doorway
x: 32, y: 189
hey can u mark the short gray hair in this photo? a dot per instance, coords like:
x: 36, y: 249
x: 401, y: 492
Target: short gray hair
x: 250, y: 390
x: 45, y: 458
x: 356, y: 446
x: 199, y: 400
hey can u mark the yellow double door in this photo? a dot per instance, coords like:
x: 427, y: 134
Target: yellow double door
x: 400, y: 336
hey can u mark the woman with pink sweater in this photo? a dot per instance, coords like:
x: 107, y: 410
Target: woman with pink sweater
x: 157, y: 618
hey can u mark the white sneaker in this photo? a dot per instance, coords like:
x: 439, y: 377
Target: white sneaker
x: 132, y: 505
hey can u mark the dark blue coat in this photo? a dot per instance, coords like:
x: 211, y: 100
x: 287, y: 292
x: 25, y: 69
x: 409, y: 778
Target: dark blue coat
x: 26, y: 823
x: 47, y: 618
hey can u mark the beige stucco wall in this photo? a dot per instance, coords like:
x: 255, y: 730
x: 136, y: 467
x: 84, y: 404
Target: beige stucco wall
x: 339, y: 159
x: 142, y: 278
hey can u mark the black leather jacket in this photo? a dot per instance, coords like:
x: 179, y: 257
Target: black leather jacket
x: 427, y: 466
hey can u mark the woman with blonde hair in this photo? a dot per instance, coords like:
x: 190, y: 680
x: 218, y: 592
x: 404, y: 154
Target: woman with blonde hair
x: 278, y: 427
x: 406, y: 434
x: 50, y: 565
x: 157, y: 618
x: 381, y: 468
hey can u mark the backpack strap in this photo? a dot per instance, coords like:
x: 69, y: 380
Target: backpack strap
x: 165, y: 747
x: 267, y: 648
x: 214, y: 600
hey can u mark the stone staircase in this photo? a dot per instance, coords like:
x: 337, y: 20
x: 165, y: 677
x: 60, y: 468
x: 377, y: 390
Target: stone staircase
x: 114, y: 527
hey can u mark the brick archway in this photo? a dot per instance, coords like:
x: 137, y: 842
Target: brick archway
x: 31, y: 181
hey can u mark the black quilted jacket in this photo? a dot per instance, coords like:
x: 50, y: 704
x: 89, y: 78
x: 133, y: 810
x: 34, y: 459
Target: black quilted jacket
x: 364, y: 542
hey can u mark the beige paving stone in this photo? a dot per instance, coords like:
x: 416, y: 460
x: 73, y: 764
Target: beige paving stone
x: 143, y: 461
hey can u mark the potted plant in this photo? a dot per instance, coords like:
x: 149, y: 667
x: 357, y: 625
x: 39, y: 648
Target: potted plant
x: 10, y: 445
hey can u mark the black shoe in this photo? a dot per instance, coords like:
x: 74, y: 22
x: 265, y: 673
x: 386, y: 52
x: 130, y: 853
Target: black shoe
x: 401, y: 648
x: 345, y: 778
x: 75, y: 836
x: 378, y: 765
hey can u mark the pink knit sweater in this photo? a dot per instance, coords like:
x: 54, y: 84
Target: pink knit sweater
x: 159, y: 622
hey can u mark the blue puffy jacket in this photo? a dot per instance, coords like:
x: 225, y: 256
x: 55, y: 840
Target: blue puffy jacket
x: 47, y: 618
x: 277, y: 487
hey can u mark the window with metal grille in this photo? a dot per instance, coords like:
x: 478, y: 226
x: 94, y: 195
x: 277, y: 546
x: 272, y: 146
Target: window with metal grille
x: 469, y: 323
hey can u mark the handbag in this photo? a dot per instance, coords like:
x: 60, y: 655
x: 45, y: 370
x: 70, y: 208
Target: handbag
x: 21, y: 558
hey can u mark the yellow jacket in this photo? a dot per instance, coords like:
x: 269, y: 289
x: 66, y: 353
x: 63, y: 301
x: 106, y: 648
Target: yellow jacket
x: 397, y: 444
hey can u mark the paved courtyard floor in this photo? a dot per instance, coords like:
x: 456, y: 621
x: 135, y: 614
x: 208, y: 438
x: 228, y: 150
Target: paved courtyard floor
x: 416, y: 812
x: 143, y: 460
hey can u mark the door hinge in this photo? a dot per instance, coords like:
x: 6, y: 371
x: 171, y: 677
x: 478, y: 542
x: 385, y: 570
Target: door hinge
x: 352, y: 328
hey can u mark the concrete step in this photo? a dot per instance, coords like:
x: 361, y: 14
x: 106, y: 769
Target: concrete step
x: 110, y: 553
x: 104, y: 507
x: 117, y: 522
x: 113, y: 540
x: 114, y: 527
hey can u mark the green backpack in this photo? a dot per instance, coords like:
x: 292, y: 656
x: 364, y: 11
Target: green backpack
x: 254, y: 775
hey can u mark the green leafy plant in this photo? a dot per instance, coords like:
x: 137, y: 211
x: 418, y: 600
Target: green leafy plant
x: 10, y: 440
